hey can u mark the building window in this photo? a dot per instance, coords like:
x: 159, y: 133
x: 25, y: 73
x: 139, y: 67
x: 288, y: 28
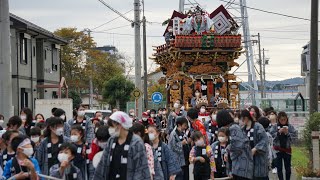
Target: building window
x: 55, y: 58
x: 45, y: 54
x: 34, y: 51
x: 54, y: 95
x: 24, y: 98
x: 23, y: 50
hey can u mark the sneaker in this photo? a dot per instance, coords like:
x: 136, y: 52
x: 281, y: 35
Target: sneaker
x: 274, y: 171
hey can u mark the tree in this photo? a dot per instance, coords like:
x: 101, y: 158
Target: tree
x: 80, y: 61
x: 156, y: 87
x: 117, y: 91
x: 73, y: 57
x: 76, y: 99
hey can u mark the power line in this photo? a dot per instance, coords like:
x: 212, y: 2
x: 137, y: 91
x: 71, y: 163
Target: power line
x: 270, y: 12
x: 115, y: 11
x: 122, y: 34
x: 110, y: 21
x: 119, y: 27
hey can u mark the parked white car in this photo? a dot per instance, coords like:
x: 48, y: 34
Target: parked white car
x: 91, y: 113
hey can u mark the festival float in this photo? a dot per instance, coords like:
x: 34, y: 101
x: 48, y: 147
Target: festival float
x: 199, y: 52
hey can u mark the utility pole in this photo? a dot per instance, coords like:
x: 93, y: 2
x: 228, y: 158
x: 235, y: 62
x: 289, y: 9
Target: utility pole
x: 137, y: 44
x: 145, y: 70
x: 264, y: 72
x: 249, y: 51
x: 181, y: 6
x: 314, y: 57
x: 90, y: 79
x: 261, y: 70
x: 5, y: 62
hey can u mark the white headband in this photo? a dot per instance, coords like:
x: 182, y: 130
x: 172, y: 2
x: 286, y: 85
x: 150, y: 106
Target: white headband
x: 25, y: 142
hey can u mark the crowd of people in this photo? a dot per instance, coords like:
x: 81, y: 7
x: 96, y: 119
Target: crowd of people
x: 163, y: 144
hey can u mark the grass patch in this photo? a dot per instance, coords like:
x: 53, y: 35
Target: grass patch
x: 300, y: 157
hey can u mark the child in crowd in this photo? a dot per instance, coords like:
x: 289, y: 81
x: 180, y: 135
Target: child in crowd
x: 65, y: 168
x: 124, y: 156
x: 153, y: 163
x: 259, y: 144
x: 212, y: 127
x: 8, y: 153
x: 284, y: 134
x: 80, y: 160
x: 239, y: 149
x: 165, y: 156
x: 48, y: 151
x: 179, y: 145
x: 35, y: 134
x: 100, y: 142
x: 202, y: 157
x: 219, y: 149
x: 22, y: 166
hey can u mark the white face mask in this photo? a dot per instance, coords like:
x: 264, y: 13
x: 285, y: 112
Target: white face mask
x: 113, y: 132
x: 35, y: 139
x: 183, y: 108
x: 105, y: 121
x: 23, y: 117
x: 214, y: 117
x: 199, y: 143
x: 222, y: 139
x: 217, y: 94
x: 202, y: 110
x: 63, y: 117
x: 144, y: 119
x: 170, y: 30
x: 153, y: 115
x: 152, y: 136
x: 100, y: 118
x: 63, y: 157
x: 102, y: 144
x: 132, y: 114
x: 74, y: 138
x: 197, y: 94
x: 81, y: 113
x: 1, y: 122
x: 176, y: 105
x: 59, y: 131
x: 28, y: 151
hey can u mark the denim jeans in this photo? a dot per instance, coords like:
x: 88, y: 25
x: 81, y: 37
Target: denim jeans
x: 286, y: 158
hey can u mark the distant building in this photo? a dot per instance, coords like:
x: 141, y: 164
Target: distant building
x: 35, y: 60
x: 108, y: 49
x: 305, y: 68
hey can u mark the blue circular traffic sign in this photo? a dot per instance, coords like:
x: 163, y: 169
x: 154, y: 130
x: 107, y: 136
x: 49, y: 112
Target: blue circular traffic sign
x: 157, y: 97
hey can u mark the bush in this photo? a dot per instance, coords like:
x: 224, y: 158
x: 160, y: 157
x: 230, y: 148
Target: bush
x: 312, y: 124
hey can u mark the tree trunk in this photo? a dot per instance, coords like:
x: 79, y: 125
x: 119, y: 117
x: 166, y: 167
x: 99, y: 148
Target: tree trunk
x: 118, y: 104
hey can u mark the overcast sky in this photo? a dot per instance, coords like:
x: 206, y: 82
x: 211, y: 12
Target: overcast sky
x: 283, y: 37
